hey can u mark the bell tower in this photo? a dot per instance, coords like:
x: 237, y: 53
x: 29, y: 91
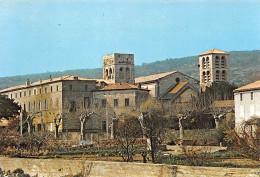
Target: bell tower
x: 214, y: 67
x: 118, y: 68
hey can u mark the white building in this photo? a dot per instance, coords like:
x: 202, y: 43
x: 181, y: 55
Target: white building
x: 247, y: 104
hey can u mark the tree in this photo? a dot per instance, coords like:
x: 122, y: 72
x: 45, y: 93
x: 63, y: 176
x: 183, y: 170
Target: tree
x: 56, y: 121
x: 8, y: 107
x: 83, y: 117
x: 128, y: 131
x: 217, y: 91
x: 153, y: 123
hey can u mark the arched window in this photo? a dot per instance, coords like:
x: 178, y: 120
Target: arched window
x: 107, y: 73
x: 207, y: 62
x: 223, y: 62
x: 127, y: 74
x: 217, y: 75
x: 203, y: 62
x: 110, y: 74
x: 223, y: 75
x: 217, y: 62
x: 177, y: 80
x: 204, y: 77
x: 121, y: 73
x: 208, y: 76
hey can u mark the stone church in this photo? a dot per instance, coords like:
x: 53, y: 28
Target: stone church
x: 118, y: 93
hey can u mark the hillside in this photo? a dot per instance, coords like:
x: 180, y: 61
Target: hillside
x: 245, y: 68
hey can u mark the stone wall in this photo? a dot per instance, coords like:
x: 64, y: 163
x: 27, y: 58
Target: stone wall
x: 60, y: 167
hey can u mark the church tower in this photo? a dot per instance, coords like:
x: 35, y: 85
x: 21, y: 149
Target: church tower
x: 214, y: 67
x: 119, y: 68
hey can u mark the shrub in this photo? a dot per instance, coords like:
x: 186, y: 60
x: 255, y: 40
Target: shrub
x: 19, y: 171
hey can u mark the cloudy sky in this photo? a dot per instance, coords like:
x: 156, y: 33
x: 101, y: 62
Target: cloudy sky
x: 38, y: 36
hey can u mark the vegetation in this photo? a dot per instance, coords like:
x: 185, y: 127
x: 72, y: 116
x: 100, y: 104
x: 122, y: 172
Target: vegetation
x: 7, y: 107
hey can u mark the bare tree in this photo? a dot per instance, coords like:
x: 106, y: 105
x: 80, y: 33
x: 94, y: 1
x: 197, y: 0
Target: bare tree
x: 153, y: 123
x: 83, y: 117
x: 29, y: 119
x: 57, y: 117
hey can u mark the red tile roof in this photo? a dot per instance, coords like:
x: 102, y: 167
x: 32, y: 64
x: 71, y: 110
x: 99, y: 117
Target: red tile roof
x: 120, y: 86
x: 252, y: 86
x: 214, y: 51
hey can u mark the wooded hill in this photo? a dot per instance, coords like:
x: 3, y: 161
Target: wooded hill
x: 245, y: 68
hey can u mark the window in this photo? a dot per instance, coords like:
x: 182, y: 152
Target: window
x: 44, y: 127
x: 51, y: 88
x: 51, y: 103
x: 103, y: 103
x: 115, y: 102
x: 208, y: 74
x: 51, y: 127
x: 203, y: 63
x: 24, y: 93
x: 223, y: 62
x: 30, y: 92
x: 34, y: 91
x: 57, y: 103
x: 57, y: 88
x: 103, y: 125
x: 86, y: 87
x: 70, y: 88
x: 39, y: 106
x: 39, y: 127
x: 11, y: 96
x: 217, y: 62
x: 252, y: 95
x: 15, y: 95
x: 29, y: 107
x: 127, y: 102
x: 73, y: 106
x: 34, y: 106
x: 45, y: 89
x: 223, y: 75
x: 40, y: 91
x: 207, y: 60
x: 177, y: 80
x: 86, y: 102
x: 24, y: 107
x: 217, y: 75
x: 45, y: 105
x: 20, y: 94
x: 241, y: 96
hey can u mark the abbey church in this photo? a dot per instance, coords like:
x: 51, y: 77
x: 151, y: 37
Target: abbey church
x: 118, y: 93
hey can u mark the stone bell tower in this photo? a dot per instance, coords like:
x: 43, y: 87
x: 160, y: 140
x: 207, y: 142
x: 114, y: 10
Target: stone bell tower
x: 119, y: 68
x: 214, y: 67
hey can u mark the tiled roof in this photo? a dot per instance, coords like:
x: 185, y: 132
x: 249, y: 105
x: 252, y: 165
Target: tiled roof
x: 152, y: 77
x: 252, y: 86
x: 223, y: 104
x: 214, y: 51
x: 63, y: 78
x: 177, y: 87
x: 120, y: 86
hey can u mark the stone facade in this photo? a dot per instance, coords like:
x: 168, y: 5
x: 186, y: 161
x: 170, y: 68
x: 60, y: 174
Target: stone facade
x: 118, y: 68
x: 161, y: 84
x: 214, y: 67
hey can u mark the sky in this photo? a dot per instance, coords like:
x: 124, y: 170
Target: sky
x: 39, y: 36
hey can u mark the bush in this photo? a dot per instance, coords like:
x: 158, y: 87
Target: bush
x: 19, y: 171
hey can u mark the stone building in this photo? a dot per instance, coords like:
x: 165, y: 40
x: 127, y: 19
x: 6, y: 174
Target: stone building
x: 214, y: 67
x: 247, y: 106
x: 170, y: 87
x: 109, y: 98
x: 118, y: 68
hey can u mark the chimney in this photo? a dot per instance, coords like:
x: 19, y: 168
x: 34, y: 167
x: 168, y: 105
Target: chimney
x: 139, y: 86
x: 40, y: 80
x: 50, y: 78
x: 28, y: 82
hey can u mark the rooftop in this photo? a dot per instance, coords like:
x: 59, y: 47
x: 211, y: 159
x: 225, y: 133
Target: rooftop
x: 214, y: 51
x: 41, y: 82
x: 252, y: 86
x: 120, y: 86
x: 152, y: 77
